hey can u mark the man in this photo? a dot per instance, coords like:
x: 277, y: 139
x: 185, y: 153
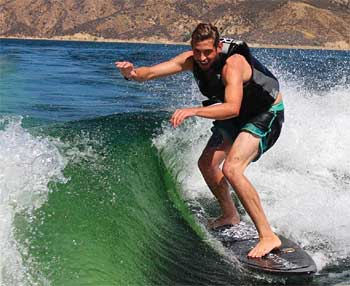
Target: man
x: 245, y: 102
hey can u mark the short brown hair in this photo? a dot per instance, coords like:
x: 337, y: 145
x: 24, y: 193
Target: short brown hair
x: 205, y: 31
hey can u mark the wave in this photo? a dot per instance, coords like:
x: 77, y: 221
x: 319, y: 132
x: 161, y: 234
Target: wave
x: 107, y: 210
x: 108, y: 200
x: 27, y: 165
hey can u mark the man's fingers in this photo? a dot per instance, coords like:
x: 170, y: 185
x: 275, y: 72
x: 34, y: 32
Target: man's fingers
x: 125, y: 68
x: 178, y: 117
x: 172, y: 119
x: 127, y: 65
x: 124, y: 65
x: 175, y: 118
x: 119, y: 64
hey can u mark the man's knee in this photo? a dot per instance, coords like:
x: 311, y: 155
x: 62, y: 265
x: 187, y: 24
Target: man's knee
x: 233, y: 169
x: 208, y: 167
x: 203, y: 164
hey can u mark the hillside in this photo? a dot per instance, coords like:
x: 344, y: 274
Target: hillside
x: 321, y: 23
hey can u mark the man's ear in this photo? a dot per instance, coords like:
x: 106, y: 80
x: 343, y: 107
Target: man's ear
x: 219, y: 48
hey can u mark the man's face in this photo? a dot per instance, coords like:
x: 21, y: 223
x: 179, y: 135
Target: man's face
x: 204, y: 53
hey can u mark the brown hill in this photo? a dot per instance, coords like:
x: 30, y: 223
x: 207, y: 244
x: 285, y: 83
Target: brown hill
x: 275, y: 22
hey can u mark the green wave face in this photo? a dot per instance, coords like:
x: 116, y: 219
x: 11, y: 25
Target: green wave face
x: 119, y: 219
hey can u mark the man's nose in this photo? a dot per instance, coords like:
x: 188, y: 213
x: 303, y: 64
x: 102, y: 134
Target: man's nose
x: 202, y: 57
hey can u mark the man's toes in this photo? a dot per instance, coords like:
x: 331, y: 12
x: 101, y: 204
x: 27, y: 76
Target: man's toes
x: 263, y: 252
x: 257, y: 252
x: 252, y: 253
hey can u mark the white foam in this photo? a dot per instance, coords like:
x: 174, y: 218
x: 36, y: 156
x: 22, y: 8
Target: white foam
x: 303, y: 182
x: 27, y: 164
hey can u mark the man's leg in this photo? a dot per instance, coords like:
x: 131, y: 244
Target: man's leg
x: 243, y: 151
x: 209, y: 165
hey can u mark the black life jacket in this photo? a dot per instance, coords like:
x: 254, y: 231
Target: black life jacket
x: 259, y: 92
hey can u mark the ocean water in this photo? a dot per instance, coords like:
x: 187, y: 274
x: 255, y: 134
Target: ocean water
x: 96, y: 187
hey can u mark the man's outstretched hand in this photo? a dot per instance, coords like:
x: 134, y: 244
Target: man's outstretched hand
x: 126, y: 69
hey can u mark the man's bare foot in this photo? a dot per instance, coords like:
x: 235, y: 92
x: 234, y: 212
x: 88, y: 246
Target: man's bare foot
x: 265, y: 246
x: 221, y: 221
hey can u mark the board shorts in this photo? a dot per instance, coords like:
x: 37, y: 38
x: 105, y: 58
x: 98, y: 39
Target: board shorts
x: 266, y: 125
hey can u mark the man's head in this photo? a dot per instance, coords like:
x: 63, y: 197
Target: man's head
x: 205, y: 44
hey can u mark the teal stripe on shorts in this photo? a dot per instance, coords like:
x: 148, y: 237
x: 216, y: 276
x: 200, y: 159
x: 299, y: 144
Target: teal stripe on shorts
x: 251, y: 128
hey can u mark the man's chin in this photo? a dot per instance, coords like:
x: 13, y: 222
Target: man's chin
x: 205, y: 67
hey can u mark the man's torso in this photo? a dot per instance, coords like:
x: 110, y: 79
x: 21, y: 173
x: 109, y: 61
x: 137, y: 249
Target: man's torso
x: 259, y: 92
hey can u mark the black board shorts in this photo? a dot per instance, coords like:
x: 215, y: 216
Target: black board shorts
x: 267, y: 126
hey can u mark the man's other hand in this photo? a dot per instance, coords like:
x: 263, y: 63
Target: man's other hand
x: 126, y: 69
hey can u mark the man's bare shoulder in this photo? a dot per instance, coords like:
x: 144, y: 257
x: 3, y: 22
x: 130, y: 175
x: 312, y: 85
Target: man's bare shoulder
x: 236, y: 60
x: 237, y: 67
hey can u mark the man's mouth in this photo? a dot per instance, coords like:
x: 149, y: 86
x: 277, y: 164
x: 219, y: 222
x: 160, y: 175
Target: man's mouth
x: 204, y: 64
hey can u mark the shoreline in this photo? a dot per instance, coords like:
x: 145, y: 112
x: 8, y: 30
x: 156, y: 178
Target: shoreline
x: 80, y: 37
x: 93, y: 39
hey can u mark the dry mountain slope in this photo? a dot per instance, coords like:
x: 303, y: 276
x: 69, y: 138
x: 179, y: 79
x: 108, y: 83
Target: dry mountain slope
x: 279, y: 22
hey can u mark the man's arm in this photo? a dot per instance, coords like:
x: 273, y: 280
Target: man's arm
x: 180, y: 63
x: 235, y: 72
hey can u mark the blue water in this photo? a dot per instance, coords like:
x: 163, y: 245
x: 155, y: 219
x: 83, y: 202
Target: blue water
x: 67, y: 81
x: 95, y: 184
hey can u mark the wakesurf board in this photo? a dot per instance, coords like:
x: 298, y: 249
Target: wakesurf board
x: 289, y: 260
